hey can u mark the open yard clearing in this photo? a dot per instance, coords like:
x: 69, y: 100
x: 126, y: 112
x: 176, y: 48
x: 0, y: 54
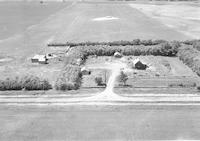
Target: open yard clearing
x: 164, y: 75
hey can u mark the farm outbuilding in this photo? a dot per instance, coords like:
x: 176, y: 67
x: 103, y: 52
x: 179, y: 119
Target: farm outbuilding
x: 50, y: 56
x: 85, y: 71
x: 117, y: 55
x: 138, y: 64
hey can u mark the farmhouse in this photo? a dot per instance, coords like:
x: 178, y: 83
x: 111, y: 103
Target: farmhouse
x: 41, y: 59
x: 137, y: 64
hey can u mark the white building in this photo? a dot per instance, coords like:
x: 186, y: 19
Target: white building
x: 41, y: 59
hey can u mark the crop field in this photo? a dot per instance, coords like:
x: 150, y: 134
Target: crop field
x: 183, y: 17
x: 16, y: 17
x: 80, y: 21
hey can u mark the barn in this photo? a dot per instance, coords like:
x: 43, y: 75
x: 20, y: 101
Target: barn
x: 137, y: 64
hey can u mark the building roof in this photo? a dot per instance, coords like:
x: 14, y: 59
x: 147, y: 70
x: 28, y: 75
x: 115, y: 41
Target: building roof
x: 136, y: 61
x: 39, y: 57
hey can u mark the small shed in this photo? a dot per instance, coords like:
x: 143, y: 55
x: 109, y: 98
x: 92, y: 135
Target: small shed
x: 79, y: 61
x: 50, y: 56
x: 117, y: 55
x: 85, y: 71
x: 137, y: 64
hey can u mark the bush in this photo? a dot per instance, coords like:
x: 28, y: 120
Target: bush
x: 197, y: 45
x: 123, y: 78
x: 184, y: 85
x: 11, y: 84
x: 69, y: 79
x: 26, y: 83
x: 35, y: 83
x: 169, y: 49
x: 156, y: 42
x: 136, y: 42
x: 190, y: 42
x: 198, y: 87
x: 63, y: 85
x: 99, y: 81
x: 194, y: 43
x: 191, y: 57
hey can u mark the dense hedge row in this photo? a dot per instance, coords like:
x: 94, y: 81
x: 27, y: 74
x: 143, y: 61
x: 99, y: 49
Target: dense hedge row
x: 124, y: 43
x: 113, y: 43
x: 190, y: 42
x: 26, y: 83
x: 194, y: 43
x: 191, y: 57
x: 69, y: 79
x: 80, y: 53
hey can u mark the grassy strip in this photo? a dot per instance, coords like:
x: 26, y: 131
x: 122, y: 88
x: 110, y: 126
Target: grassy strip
x: 26, y: 83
